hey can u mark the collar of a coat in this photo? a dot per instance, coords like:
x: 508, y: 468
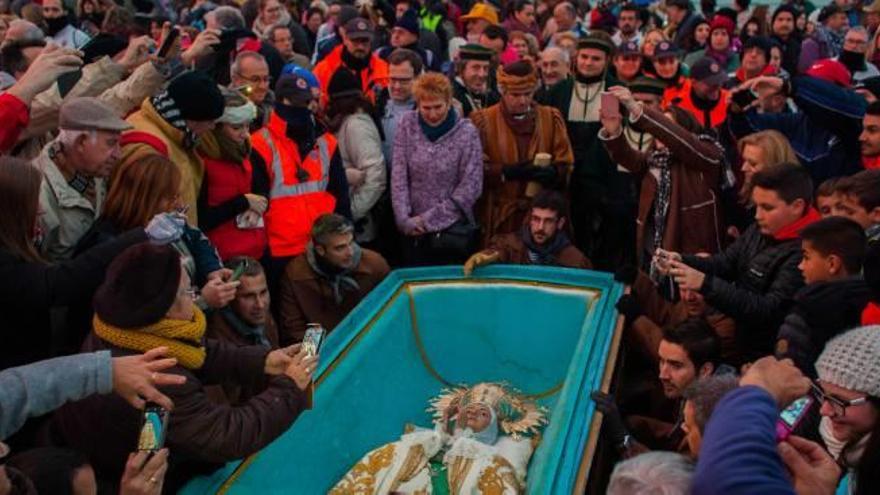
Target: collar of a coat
x: 174, y: 134
x: 303, y: 271
x: 66, y: 196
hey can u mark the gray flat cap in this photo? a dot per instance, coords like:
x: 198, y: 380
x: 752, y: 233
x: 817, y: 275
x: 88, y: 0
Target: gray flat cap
x: 87, y: 113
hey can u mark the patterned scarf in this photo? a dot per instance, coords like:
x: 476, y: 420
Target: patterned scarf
x: 166, y: 107
x: 339, y: 279
x: 660, y: 159
x: 184, y: 339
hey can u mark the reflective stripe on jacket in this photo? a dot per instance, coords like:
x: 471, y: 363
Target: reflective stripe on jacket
x: 298, y: 193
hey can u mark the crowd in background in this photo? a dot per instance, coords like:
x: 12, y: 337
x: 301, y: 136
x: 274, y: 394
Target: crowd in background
x: 186, y: 187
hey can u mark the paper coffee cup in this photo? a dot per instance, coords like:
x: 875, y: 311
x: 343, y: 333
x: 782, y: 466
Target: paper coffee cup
x: 541, y: 160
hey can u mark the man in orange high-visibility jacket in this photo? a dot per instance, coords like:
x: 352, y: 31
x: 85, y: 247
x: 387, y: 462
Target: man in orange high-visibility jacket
x: 702, y: 94
x: 303, y: 184
x: 355, y: 55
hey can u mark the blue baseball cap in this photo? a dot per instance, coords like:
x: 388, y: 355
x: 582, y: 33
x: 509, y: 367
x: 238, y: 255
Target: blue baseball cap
x: 302, y: 72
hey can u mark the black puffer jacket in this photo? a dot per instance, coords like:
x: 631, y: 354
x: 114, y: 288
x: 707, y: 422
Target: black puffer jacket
x: 754, y: 282
x: 820, y: 312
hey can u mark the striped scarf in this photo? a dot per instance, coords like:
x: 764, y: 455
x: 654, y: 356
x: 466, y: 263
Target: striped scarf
x: 166, y: 107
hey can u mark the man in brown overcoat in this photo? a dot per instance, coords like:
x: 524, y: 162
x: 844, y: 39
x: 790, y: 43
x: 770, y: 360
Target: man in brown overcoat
x: 326, y: 282
x: 513, y: 132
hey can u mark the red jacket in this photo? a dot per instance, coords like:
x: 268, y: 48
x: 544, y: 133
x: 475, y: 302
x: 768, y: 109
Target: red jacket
x: 15, y: 117
x: 224, y: 181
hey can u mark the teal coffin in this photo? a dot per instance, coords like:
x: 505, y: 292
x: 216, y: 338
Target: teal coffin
x: 552, y: 333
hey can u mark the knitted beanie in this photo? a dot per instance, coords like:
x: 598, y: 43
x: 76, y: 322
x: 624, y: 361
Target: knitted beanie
x: 196, y: 96
x: 409, y: 21
x: 852, y: 360
x: 140, y: 286
x: 343, y: 83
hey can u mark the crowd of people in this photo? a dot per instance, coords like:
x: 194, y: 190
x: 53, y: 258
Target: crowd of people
x: 186, y: 187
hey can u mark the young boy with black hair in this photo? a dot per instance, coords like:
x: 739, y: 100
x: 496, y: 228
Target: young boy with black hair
x: 833, y: 250
x: 755, y: 279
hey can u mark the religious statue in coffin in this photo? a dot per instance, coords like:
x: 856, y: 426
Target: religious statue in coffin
x: 482, y: 441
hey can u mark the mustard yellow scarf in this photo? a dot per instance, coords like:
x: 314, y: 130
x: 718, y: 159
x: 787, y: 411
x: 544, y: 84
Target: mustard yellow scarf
x: 183, y: 338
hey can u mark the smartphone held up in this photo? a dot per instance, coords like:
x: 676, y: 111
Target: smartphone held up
x: 153, y: 429
x: 610, y: 105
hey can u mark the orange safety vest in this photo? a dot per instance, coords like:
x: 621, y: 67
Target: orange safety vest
x: 294, y: 204
x: 375, y: 77
x: 681, y: 98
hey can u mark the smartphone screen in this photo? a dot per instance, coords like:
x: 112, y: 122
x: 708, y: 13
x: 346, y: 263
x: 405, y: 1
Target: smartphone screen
x: 152, y: 437
x: 313, y: 339
x: 792, y: 414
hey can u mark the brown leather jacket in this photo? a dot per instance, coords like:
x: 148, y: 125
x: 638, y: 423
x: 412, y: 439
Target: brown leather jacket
x: 693, y: 224
x: 307, y: 298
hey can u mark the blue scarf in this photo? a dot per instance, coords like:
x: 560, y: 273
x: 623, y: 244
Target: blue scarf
x: 433, y: 133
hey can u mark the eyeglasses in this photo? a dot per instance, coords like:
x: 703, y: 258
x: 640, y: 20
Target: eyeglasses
x: 838, y: 405
x: 192, y: 293
x: 255, y: 79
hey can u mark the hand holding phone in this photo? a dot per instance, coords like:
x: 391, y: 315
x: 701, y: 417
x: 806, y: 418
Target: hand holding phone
x: 313, y: 339
x: 239, y: 271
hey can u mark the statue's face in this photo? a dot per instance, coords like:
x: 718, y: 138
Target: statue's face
x: 477, y: 417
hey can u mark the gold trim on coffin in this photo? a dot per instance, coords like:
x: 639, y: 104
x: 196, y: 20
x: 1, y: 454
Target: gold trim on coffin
x: 591, y: 443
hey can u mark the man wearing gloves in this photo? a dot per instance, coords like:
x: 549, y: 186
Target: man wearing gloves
x: 514, y: 132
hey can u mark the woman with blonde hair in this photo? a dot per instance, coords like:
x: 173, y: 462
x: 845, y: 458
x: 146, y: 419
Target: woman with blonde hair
x: 759, y: 151
x: 437, y: 173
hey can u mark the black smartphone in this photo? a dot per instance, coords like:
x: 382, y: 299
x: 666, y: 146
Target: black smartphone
x: 67, y: 81
x: 153, y: 429
x: 744, y: 98
x: 168, y: 42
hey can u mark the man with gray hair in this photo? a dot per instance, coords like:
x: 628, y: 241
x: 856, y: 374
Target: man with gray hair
x: 652, y: 473
x: 852, y: 55
x: 75, y: 166
x: 701, y: 397
x: 555, y: 66
x: 326, y: 282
